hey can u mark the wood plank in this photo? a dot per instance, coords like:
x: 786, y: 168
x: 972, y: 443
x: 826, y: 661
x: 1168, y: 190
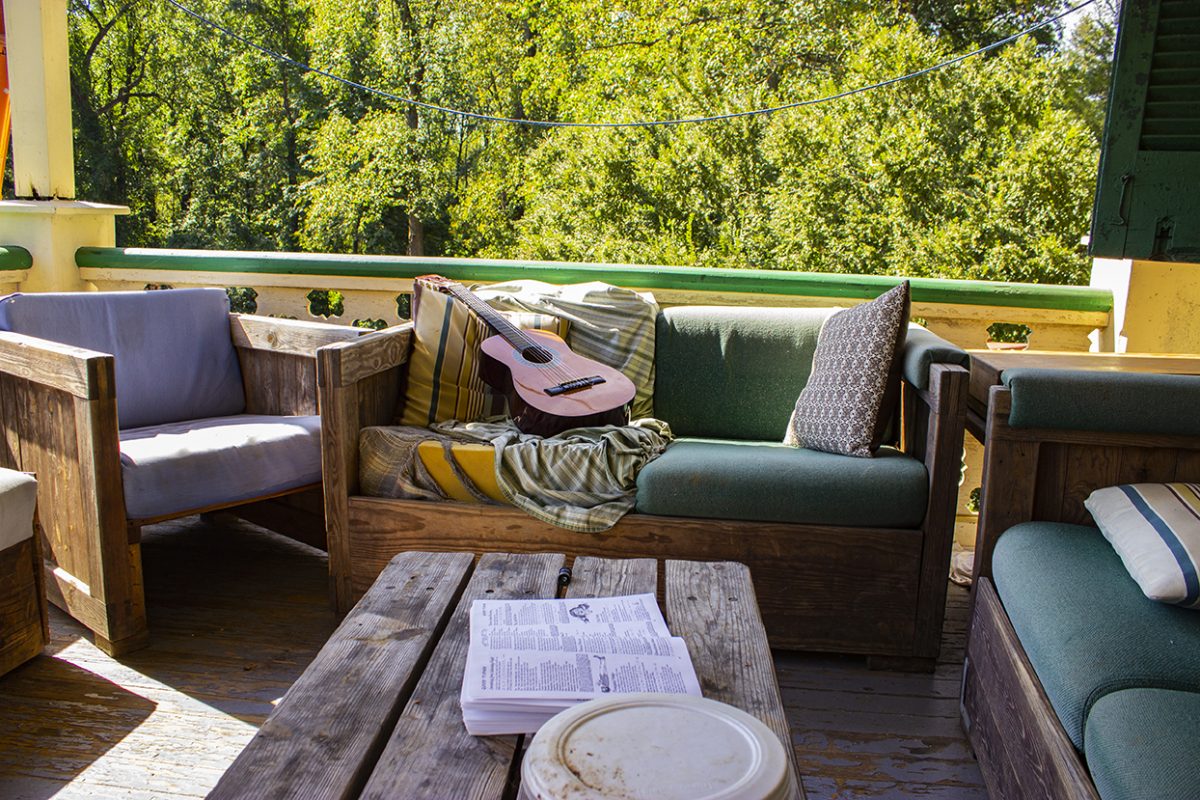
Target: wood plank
x: 814, y: 591
x: 278, y: 384
x: 339, y: 476
x: 714, y: 608
x: 22, y: 605
x: 1023, y: 752
x: 1147, y: 465
x: 1088, y: 468
x: 943, y: 452
x: 349, y: 362
x: 74, y: 370
x: 430, y: 733
x: 611, y: 577
x: 324, y: 737
x: 295, y: 337
x: 1187, y: 466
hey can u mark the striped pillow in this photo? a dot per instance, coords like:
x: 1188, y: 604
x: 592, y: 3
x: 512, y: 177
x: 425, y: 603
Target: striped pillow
x: 1155, y: 529
x: 443, y: 368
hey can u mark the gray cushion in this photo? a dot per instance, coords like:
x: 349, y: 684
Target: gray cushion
x: 923, y: 349
x: 172, y: 352
x: 183, y: 466
x: 732, y: 373
x: 18, y: 499
x: 1086, y: 626
x: 772, y: 482
x: 1096, y: 400
x: 1144, y: 743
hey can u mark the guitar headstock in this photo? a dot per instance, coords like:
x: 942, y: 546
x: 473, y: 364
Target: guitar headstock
x: 439, y: 283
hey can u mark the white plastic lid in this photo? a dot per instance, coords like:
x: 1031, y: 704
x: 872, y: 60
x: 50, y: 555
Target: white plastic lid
x: 655, y: 747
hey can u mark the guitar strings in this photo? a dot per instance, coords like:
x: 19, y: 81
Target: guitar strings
x: 517, y: 338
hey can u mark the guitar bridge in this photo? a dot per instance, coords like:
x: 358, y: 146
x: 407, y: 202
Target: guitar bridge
x: 573, y: 385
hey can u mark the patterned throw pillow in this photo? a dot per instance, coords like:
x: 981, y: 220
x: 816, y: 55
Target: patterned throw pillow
x: 1155, y: 529
x: 849, y: 398
x: 443, y: 368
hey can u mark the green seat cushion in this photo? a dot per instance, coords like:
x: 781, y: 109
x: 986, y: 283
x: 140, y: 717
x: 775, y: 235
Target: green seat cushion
x: 770, y: 482
x: 1095, y: 400
x: 1143, y: 743
x: 733, y: 373
x: 1086, y: 626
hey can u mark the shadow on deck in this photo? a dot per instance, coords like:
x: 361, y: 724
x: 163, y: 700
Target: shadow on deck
x: 236, y: 613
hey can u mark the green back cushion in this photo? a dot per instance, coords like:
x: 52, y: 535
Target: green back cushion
x: 1098, y: 400
x: 1086, y: 626
x: 733, y: 373
x: 1143, y: 743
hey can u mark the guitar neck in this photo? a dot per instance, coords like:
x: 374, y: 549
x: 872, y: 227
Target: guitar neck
x: 511, y: 333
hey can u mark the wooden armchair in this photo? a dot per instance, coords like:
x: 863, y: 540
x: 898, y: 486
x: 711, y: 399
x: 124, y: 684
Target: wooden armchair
x: 60, y: 417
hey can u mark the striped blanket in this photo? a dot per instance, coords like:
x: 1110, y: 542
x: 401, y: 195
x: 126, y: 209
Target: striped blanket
x: 584, y: 479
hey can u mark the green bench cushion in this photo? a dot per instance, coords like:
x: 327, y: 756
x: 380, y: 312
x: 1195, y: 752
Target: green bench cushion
x: 1143, y: 743
x: 1096, y: 400
x: 733, y: 373
x: 771, y: 482
x: 1086, y: 626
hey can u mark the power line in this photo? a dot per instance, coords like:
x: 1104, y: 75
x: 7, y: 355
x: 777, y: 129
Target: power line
x: 536, y: 123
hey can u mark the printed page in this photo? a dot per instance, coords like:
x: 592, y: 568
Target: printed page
x: 636, y: 609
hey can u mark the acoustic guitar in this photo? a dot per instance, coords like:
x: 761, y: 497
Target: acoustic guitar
x: 549, y: 387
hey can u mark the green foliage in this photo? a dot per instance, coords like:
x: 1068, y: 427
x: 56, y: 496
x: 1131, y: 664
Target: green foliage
x: 242, y: 299
x: 982, y: 170
x: 370, y: 323
x: 1009, y: 332
x: 325, y: 303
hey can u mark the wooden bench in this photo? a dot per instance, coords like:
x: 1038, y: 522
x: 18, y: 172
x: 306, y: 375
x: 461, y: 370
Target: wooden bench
x: 377, y: 712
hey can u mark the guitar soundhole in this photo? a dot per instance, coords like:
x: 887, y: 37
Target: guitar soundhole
x: 537, y: 355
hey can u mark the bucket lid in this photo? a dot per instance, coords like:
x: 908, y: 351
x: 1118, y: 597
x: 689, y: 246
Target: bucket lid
x: 656, y: 747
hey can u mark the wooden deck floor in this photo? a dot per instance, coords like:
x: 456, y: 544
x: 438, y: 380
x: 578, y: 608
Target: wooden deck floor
x: 236, y: 613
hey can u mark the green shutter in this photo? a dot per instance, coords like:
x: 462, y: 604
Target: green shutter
x: 1148, y: 192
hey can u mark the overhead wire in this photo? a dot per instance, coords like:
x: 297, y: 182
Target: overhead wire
x: 545, y: 123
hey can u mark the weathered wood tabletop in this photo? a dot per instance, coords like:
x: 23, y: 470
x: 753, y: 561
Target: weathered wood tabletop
x: 377, y: 715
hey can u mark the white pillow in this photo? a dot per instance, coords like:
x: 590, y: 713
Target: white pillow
x: 1155, y: 529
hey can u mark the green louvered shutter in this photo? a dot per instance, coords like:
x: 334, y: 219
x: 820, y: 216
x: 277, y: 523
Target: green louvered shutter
x: 1148, y: 192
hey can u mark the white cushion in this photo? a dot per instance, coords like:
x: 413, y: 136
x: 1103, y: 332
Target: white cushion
x: 184, y: 466
x: 1155, y: 529
x: 18, y: 499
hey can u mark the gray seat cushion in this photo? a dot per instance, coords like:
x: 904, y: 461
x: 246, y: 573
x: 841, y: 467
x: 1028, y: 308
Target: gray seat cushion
x: 772, y: 482
x: 1086, y: 626
x: 1143, y: 743
x: 18, y: 499
x: 184, y: 466
x: 172, y: 352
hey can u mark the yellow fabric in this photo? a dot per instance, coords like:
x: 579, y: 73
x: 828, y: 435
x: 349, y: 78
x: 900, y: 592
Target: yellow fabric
x: 478, y: 461
x: 443, y: 368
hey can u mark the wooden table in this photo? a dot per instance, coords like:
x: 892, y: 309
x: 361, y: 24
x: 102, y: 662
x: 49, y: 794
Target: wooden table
x: 988, y: 366
x: 377, y: 715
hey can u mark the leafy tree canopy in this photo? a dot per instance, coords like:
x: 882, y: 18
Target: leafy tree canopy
x: 983, y: 170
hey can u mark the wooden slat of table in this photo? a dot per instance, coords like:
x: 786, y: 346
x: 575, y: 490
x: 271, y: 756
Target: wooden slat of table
x: 324, y: 736
x: 608, y: 577
x: 430, y: 754
x: 713, y: 607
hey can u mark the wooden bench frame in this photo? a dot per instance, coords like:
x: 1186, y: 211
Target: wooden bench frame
x: 24, y: 622
x: 1039, y: 475
x: 877, y: 592
x: 59, y: 421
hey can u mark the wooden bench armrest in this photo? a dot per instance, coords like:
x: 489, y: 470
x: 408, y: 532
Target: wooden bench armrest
x: 293, y: 337
x: 86, y: 374
x: 346, y: 363
x: 358, y: 383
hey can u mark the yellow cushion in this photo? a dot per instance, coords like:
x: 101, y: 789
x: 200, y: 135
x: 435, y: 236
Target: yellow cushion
x: 443, y: 368
x: 478, y: 461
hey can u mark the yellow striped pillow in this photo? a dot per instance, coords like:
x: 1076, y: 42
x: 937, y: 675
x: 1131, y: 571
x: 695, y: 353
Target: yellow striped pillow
x: 443, y: 368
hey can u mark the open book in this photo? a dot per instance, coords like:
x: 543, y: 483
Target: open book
x: 529, y: 659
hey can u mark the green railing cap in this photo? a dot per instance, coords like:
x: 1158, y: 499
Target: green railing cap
x: 746, y: 281
x: 14, y: 257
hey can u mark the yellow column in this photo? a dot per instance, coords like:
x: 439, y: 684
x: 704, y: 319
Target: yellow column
x: 46, y: 219
x: 1156, y: 306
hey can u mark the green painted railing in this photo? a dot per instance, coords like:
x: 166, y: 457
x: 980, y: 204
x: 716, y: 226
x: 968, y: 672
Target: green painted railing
x: 13, y: 257
x: 749, y: 281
